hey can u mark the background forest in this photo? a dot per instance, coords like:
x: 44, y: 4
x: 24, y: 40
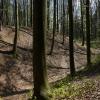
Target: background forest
x: 50, y: 49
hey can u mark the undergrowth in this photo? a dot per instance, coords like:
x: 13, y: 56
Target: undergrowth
x: 77, y: 87
x: 70, y: 90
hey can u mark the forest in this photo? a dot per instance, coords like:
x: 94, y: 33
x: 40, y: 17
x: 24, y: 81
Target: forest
x: 49, y: 49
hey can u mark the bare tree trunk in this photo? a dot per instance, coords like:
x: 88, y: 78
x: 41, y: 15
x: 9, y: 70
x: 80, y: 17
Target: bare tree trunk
x: 63, y: 23
x: 83, y: 37
x: 54, y: 28
x: 16, y: 27
x: 71, y: 46
x: 88, y: 33
x: 57, y: 3
x: 31, y: 13
x: 39, y: 59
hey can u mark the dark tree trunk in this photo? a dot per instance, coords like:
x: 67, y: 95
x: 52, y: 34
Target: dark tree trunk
x: 31, y: 6
x: 27, y: 12
x: 24, y: 13
x: 7, y: 12
x: 71, y: 47
x: 16, y: 27
x: 39, y: 59
x: 48, y: 14
x: 63, y: 23
x: 67, y: 23
x: 1, y: 14
x: 57, y: 16
x: 83, y: 37
x: 54, y: 28
x: 88, y: 33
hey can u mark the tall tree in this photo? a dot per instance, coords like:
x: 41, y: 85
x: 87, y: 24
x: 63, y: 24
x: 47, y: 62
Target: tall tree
x: 39, y: 59
x: 19, y: 14
x: 54, y: 27
x: 48, y: 14
x: 1, y: 14
x: 67, y: 22
x: 83, y: 37
x: 88, y: 33
x: 24, y: 13
x: 71, y: 47
x: 16, y: 27
x: 31, y: 6
x: 7, y: 11
x: 95, y: 21
x: 27, y: 11
x: 57, y: 15
x: 63, y: 23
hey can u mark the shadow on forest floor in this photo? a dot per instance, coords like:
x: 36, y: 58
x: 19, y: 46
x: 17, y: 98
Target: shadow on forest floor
x: 7, y: 85
x: 9, y: 71
x: 6, y: 44
x: 11, y: 75
x: 90, y: 71
x: 6, y: 52
x: 87, y: 72
x: 16, y: 93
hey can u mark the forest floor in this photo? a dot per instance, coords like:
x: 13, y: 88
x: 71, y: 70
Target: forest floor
x: 16, y: 77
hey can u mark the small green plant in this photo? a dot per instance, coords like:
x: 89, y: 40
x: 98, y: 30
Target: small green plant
x: 29, y: 94
x: 70, y: 90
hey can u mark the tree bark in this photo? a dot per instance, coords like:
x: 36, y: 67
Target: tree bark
x: 71, y: 47
x: 83, y: 37
x: 54, y: 28
x: 88, y: 33
x: 39, y: 59
x: 16, y: 27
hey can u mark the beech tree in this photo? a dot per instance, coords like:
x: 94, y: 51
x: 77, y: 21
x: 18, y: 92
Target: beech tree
x: 54, y: 27
x: 16, y: 27
x: 39, y: 59
x: 83, y: 37
x: 1, y: 14
x: 71, y: 47
x: 88, y: 33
